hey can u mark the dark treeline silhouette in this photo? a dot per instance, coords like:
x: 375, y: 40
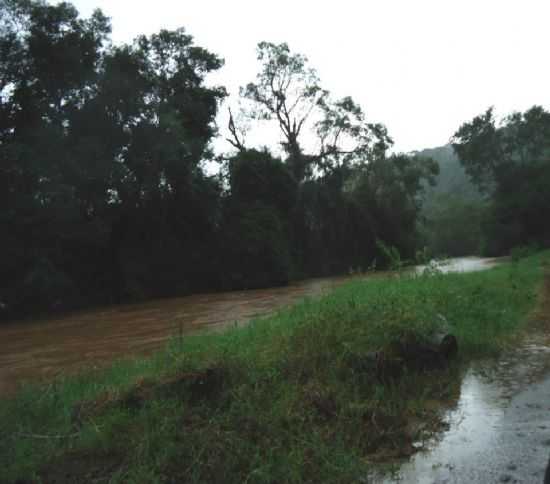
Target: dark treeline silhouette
x: 104, y: 196
x: 492, y: 193
x: 103, y: 193
x: 510, y: 163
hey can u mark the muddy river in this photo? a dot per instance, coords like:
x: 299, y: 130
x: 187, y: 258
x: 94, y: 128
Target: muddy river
x: 41, y: 349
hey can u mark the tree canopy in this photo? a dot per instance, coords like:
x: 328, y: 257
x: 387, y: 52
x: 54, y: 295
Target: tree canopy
x: 510, y: 161
x: 103, y: 189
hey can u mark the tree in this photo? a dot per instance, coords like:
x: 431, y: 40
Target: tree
x: 167, y: 208
x: 390, y: 189
x: 346, y: 138
x: 342, y: 183
x: 256, y: 220
x: 286, y: 90
x: 102, y: 182
x: 101, y: 147
x: 49, y: 62
x: 511, y: 161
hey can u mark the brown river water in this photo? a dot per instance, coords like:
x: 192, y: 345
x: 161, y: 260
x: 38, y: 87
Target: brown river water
x: 39, y: 350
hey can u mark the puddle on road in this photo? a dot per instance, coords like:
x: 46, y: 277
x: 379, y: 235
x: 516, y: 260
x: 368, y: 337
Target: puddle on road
x: 499, y: 431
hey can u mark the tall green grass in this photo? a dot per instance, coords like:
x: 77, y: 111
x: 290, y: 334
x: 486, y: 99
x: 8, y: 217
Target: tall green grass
x: 291, y: 402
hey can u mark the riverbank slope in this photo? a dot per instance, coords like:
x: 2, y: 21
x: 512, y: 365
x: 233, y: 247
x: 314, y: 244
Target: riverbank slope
x: 285, y: 399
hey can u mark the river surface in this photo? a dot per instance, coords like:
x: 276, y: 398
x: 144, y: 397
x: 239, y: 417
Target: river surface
x: 42, y: 349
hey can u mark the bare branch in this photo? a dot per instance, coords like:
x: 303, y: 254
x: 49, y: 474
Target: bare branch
x: 236, y: 141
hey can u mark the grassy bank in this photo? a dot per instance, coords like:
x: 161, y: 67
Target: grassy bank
x: 285, y: 399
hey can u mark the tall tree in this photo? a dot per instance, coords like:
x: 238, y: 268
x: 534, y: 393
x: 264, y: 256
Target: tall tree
x: 287, y: 90
x: 48, y: 73
x: 511, y: 161
x: 101, y: 152
x: 327, y: 217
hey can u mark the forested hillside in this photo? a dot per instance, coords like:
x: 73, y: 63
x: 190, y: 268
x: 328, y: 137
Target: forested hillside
x: 509, y: 160
x: 453, y: 210
x: 492, y: 193
x: 452, y: 178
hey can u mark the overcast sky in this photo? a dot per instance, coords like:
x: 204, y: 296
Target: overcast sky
x: 421, y: 67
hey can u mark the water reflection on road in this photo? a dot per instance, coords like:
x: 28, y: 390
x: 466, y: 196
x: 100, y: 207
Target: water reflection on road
x: 499, y: 431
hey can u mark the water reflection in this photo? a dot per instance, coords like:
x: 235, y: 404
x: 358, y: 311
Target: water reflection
x: 460, y: 264
x: 500, y: 429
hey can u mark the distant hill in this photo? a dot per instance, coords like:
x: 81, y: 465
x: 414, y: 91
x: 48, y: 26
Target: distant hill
x: 453, y: 210
x: 452, y: 179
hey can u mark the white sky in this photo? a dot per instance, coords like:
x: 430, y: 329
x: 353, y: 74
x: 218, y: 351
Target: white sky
x: 421, y: 67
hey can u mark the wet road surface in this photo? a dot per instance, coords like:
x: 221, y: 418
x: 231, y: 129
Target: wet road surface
x: 499, y: 430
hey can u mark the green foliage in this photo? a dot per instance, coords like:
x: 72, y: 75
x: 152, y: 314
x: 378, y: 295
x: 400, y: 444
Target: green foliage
x: 423, y: 256
x: 454, y: 225
x: 292, y: 405
x: 45, y: 286
x: 511, y: 162
x: 287, y: 90
x: 477, y: 145
x: 257, y: 176
x: 257, y: 246
x: 392, y: 258
x: 350, y: 191
x: 522, y: 252
x: 102, y: 149
x: 454, y: 211
x: 262, y: 195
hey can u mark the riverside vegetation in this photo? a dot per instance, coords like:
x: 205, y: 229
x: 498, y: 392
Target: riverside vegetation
x: 105, y: 198
x: 284, y: 399
x: 105, y: 195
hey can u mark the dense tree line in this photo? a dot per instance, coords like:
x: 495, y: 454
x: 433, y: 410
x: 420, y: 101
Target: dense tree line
x: 103, y: 192
x: 510, y: 162
x: 492, y: 193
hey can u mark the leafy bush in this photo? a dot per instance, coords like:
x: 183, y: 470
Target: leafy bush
x: 391, y: 255
x: 523, y: 251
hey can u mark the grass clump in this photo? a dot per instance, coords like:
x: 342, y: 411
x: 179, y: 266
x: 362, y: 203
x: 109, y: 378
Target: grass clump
x: 284, y: 399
